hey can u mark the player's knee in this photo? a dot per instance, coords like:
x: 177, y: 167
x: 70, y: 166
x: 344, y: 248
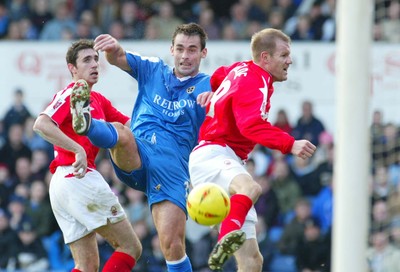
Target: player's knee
x: 135, y: 251
x: 173, y: 249
x: 124, y: 134
x: 252, y: 263
x: 255, y: 191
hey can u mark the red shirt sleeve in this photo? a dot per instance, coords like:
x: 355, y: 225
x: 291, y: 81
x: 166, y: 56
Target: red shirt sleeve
x: 251, y: 109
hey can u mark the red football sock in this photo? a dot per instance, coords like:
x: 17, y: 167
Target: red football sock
x: 119, y: 262
x: 75, y: 270
x: 240, y: 206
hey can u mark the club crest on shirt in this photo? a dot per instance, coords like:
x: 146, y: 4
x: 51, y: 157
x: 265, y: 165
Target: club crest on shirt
x: 114, y: 210
x: 190, y: 89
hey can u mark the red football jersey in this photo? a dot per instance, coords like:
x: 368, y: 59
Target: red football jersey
x: 238, y: 113
x: 59, y: 111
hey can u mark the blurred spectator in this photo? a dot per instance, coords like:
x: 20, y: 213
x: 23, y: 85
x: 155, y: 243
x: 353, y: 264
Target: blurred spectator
x: 306, y: 174
x: 116, y: 30
x: 313, y: 250
x: 199, y: 245
x: 133, y: 20
x: 380, y: 184
x: 33, y: 140
x: 14, y: 148
x: 83, y: 5
x: 183, y: 9
x: 40, y: 164
x: 229, y: 33
x: 6, y: 186
x: 86, y: 27
x: 239, y: 20
x: 40, y: 14
x: 394, y: 201
x: 285, y: 186
x: 8, y: 238
x: 154, y: 260
x: 27, y: 29
x: 18, y: 113
x: 318, y: 20
x: 282, y: 121
x: 377, y: 126
x: 254, y: 12
x: 62, y: 23
x: 391, y: 24
x: 395, y: 231
x: 14, y: 31
x: 208, y: 22
x: 386, y: 149
x: 4, y: 20
x: 31, y: 254
x: 39, y: 211
x: 382, y: 255
x: 107, y: 12
x: 261, y: 160
x: 59, y: 254
x: 380, y: 216
x: 16, y: 208
x: 308, y: 126
x: 18, y: 9
x: 23, y: 172
x: 293, y: 230
x: 136, y: 207
x: 267, y: 205
x: 164, y: 21
x: 325, y: 151
x: 322, y: 207
x: 264, y: 243
x: 252, y: 28
x: 276, y: 18
x: 394, y: 171
x: 303, y: 31
x: 151, y: 32
x: 144, y: 234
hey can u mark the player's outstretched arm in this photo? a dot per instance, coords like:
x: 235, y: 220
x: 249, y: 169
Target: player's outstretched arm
x: 303, y: 149
x: 114, y: 52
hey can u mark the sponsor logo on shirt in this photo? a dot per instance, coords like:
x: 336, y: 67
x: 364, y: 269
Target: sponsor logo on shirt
x: 174, y: 108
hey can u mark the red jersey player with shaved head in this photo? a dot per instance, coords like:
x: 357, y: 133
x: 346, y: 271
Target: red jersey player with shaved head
x: 237, y: 120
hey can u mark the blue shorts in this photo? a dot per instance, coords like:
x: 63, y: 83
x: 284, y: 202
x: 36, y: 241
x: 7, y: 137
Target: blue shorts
x: 163, y: 176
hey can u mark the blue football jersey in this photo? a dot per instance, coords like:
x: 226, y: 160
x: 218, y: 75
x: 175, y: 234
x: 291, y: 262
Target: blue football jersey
x: 166, y: 111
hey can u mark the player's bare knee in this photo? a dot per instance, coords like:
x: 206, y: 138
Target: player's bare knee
x: 251, y: 263
x: 255, y: 191
x: 173, y: 250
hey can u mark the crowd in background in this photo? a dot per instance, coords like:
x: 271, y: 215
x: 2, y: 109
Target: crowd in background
x: 303, y: 20
x: 295, y: 209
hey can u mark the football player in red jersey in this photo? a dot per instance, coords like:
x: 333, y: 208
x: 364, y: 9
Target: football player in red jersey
x: 237, y: 120
x: 82, y: 201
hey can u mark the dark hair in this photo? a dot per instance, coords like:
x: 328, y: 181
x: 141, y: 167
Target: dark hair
x: 73, y: 50
x: 191, y: 29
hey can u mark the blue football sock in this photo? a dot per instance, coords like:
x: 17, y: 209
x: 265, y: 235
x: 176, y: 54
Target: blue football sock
x: 182, y: 265
x: 102, y: 134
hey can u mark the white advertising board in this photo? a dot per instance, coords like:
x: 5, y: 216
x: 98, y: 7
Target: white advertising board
x: 39, y: 69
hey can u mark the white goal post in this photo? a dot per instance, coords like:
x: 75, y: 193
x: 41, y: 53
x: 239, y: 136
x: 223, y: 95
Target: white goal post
x: 352, y: 156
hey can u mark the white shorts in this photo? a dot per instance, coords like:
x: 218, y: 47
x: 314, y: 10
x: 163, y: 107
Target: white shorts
x: 219, y: 164
x: 82, y: 205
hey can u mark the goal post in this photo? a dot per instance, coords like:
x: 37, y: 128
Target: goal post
x: 352, y: 155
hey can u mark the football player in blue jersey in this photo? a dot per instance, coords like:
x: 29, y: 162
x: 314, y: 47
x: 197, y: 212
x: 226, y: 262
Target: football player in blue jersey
x: 152, y: 156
